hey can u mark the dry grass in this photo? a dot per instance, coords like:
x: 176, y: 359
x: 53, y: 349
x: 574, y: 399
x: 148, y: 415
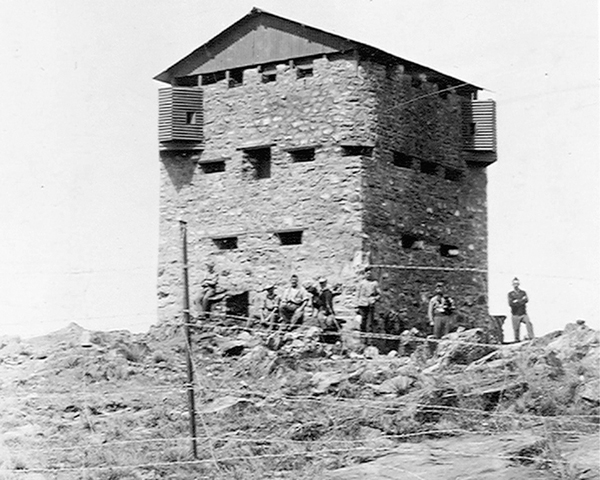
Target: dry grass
x: 114, y: 406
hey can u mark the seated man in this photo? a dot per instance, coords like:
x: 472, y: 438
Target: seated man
x: 323, y: 304
x: 208, y: 293
x: 293, y: 303
x: 268, y: 312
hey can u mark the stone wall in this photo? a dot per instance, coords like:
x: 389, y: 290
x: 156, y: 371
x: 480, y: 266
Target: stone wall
x: 322, y: 197
x: 352, y: 209
x: 426, y: 207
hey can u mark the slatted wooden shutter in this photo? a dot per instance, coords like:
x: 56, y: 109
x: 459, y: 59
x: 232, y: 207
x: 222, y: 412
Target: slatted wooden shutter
x: 479, y: 125
x: 180, y: 115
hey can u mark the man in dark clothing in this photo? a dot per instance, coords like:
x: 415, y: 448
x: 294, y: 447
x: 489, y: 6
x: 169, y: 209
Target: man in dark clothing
x: 323, y: 304
x: 517, y: 300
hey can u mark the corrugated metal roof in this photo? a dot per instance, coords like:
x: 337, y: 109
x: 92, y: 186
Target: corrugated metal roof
x: 261, y: 37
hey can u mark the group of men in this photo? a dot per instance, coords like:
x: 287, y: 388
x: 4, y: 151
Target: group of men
x: 292, y: 308
x: 441, y: 309
x: 299, y: 302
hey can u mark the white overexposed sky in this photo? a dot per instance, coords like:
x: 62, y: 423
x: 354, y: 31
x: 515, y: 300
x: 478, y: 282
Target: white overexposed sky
x: 79, y: 162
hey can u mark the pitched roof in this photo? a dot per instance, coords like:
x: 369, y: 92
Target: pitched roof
x: 260, y: 37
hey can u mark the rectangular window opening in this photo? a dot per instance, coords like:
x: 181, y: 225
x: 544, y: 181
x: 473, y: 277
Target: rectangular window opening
x: 226, y: 243
x: 302, y: 155
x: 191, y: 81
x: 268, y: 77
x: 191, y: 118
x: 408, y: 241
x: 356, y: 150
x: 430, y: 168
x: 449, y: 250
x: 303, y: 71
x: 453, y: 174
x: 236, y: 78
x: 213, y: 167
x: 259, y: 161
x: 268, y: 74
x: 290, y: 238
x: 402, y: 160
x: 211, y: 78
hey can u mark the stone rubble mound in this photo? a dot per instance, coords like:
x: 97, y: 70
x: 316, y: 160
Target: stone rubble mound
x: 422, y: 384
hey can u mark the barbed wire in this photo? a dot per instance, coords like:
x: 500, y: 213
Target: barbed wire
x: 391, y: 404
x: 233, y: 437
x: 383, y: 266
x: 275, y: 455
x: 359, y: 402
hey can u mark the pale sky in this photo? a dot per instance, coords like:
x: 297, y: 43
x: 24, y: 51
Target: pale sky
x: 78, y: 142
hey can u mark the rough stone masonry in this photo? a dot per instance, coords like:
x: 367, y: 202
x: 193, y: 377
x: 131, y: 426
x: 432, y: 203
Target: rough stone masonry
x: 343, y: 160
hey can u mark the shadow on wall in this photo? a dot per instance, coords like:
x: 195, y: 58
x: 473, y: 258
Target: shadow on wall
x: 180, y: 166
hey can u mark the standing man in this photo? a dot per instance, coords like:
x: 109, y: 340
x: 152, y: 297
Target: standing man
x: 517, y: 300
x: 293, y: 302
x: 367, y: 295
x: 440, y: 312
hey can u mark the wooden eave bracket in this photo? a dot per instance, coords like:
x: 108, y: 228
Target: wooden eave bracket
x: 301, y: 147
x: 255, y: 146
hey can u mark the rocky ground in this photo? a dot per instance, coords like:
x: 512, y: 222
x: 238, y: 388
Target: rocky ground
x: 111, y: 405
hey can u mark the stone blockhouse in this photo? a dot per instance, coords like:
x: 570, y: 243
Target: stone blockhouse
x: 288, y: 149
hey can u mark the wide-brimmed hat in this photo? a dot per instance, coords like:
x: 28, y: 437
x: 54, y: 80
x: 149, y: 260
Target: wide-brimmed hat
x: 322, y: 280
x: 269, y: 286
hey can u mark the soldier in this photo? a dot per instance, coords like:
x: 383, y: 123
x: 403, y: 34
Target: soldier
x: 367, y: 295
x: 293, y: 302
x: 208, y: 290
x: 269, y: 310
x: 440, y: 312
x: 323, y: 303
x: 517, y: 300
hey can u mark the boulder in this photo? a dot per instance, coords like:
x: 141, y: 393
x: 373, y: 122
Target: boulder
x: 464, y: 347
x: 324, y: 380
x: 575, y: 342
x: 371, y: 352
x: 398, y: 385
x: 590, y: 364
x: 223, y: 403
x: 410, y: 340
x: 591, y: 392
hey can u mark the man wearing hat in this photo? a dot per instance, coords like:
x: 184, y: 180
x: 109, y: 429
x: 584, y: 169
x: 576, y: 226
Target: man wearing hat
x: 367, y: 295
x: 440, y: 312
x: 323, y: 303
x: 269, y: 307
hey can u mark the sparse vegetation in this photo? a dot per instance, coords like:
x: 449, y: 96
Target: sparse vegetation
x: 118, y: 411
